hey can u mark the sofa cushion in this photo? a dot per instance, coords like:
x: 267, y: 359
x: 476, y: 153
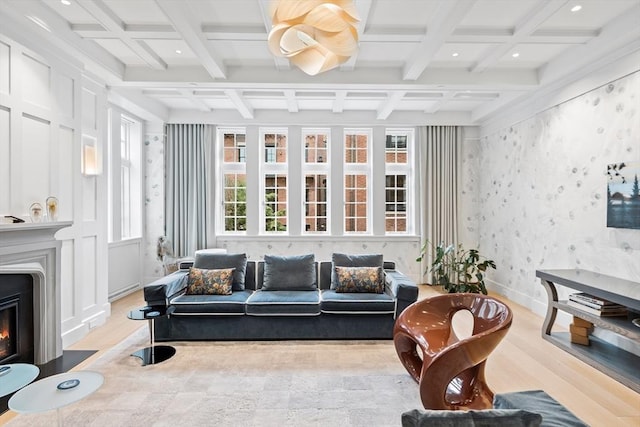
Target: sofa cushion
x: 211, y: 305
x: 360, y: 279
x: 284, y: 303
x: 356, y: 303
x: 553, y: 413
x: 289, y: 273
x: 202, y: 281
x: 474, y: 418
x: 346, y: 260
x: 218, y: 261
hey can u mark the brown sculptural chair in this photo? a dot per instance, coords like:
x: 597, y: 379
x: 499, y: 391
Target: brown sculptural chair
x: 451, y: 370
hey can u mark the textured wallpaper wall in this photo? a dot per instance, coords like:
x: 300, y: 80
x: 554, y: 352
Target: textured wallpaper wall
x: 153, y: 205
x: 534, y: 194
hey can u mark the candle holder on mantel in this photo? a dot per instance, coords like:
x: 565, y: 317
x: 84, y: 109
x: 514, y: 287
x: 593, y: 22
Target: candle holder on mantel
x: 52, y: 208
x: 35, y: 211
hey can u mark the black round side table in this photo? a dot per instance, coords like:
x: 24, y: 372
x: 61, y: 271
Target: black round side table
x: 153, y: 354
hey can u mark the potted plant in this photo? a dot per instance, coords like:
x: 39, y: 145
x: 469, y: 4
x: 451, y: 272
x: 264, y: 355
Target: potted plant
x: 458, y: 269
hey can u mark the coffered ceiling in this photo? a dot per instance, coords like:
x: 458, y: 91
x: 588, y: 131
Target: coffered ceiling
x: 461, y: 60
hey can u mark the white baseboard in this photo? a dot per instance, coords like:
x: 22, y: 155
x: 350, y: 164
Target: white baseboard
x: 78, y: 332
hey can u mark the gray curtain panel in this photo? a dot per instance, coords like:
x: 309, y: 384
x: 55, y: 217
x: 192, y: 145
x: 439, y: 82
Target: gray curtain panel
x: 439, y: 148
x: 188, y: 186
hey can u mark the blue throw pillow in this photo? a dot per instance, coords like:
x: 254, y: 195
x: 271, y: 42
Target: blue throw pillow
x: 219, y: 261
x: 290, y: 273
x: 346, y: 260
x: 481, y: 418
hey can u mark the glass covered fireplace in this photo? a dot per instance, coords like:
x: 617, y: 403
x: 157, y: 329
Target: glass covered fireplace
x: 8, y: 330
x: 16, y: 319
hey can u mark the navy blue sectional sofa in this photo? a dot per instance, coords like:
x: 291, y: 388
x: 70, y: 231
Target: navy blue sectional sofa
x: 281, y: 298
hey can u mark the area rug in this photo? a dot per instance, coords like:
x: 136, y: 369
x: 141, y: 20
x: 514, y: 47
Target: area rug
x: 284, y: 383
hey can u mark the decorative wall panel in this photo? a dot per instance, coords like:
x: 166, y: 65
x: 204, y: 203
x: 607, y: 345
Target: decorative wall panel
x: 35, y: 172
x: 36, y: 82
x: 89, y: 273
x: 5, y: 68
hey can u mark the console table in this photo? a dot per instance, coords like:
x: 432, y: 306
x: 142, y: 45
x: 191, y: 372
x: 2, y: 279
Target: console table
x: 613, y: 361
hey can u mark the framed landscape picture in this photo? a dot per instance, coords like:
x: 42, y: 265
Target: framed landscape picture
x: 623, y: 195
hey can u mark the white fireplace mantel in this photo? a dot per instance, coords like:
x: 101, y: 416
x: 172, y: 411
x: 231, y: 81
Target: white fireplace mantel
x: 31, y: 248
x: 28, y: 231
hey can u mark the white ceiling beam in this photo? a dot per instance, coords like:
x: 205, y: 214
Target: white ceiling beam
x: 541, y: 11
x: 109, y: 20
x: 440, y: 103
x: 292, y: 103
x: 618, y: 38
x: 245, y: 110
x: 363, y: 7
x: 390, y: 104
x: 197, y: 102
x: 188, y: 27
x: 62, y: 37
x: 487, y: 108
x: 363, y: 79
x: 447, y: 17
x: 338, y: 102
x: 280, y: 63
x: 136, y: 102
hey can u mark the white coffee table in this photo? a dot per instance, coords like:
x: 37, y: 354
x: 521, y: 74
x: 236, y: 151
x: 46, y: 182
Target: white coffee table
x: 44, y: 395
x: 17, y: 377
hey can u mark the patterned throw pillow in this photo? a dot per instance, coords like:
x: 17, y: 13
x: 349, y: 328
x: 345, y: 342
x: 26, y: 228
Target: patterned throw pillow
x: 202, y: 281
x: 359, y: 279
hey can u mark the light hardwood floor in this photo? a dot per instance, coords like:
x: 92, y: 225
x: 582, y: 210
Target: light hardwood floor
x: 523, y: 361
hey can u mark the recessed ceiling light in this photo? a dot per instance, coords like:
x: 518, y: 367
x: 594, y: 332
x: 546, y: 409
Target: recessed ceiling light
x: 39, y: 22
x: 576, y: 8
x: 178, y: 51
x: 65, y: 2
x: 455, y: 54
x: 515, y: 55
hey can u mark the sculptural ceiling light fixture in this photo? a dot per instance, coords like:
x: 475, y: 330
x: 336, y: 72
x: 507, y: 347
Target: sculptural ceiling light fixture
x: 315, y: 35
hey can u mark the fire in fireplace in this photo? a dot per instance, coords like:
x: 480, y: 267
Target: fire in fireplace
x: 8, y: 329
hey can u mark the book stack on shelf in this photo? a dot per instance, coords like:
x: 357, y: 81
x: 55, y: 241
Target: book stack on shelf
x: 596, y: 306
x: 580, y: 330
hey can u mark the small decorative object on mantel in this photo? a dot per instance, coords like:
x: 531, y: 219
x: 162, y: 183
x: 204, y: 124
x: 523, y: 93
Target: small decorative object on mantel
x: 10, y: 219
x: 35, y: 210
x: 52, y: 208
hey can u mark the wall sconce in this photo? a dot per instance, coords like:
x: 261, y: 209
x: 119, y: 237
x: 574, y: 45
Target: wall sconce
x: 90, y: 160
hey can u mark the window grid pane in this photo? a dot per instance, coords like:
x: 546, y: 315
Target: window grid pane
x: 235, y: 148
x: 396, y: 203
x: 315, y: 203
x: 355, y: 148
x: 396, y: 149
x: 235, y: 202
x: 275, y: 148
x: 355, y: 197
x: 275, y: 196
x: 316, y: 148
x: 231, y: 214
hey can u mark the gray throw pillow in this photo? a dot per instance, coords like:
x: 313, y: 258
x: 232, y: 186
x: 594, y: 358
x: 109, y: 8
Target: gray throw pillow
x: 219, y: 261
x: 346, y: 260
x: 289, y: 273
x: 483, y: 418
